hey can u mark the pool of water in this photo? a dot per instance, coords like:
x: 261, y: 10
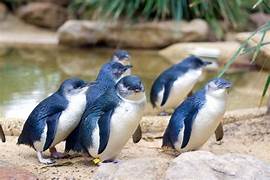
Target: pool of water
x: 28, y: 75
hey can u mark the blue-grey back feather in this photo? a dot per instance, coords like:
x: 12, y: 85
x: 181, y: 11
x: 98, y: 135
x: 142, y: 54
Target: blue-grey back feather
x: 99, y: 114
x: 183, y: 117
x: 167, y: 78
x: 46, y: 112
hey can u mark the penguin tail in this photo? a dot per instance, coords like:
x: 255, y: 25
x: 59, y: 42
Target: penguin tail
x: 73, y: 142
x: 166, y: 142
x: 24, y: 139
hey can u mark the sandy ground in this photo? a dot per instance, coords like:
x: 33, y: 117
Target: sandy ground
x: 248, y: 137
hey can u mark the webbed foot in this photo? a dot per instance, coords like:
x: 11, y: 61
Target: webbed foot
x: 43, y: 160
x: 57, y: 155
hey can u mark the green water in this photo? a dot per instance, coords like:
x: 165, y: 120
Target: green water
x: 28, y: 75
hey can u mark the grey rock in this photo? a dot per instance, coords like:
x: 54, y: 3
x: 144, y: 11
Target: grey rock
x: 179, y: 51
x: 142, y: 168
x: 259, y: 18
x: 206, y: 165
x: 140, y: 35
x: 43, y: 14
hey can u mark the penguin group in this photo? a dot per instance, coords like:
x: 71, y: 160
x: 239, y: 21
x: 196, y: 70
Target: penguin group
x: 99, y: 117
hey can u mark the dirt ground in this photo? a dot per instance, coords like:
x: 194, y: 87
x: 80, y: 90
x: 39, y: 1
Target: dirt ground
x: 247, y: 137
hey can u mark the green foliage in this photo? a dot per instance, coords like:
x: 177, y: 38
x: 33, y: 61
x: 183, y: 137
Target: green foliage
x: 245, y: 49
x: 266, y: 87
x: 147, y: 10
x: 256, y: 49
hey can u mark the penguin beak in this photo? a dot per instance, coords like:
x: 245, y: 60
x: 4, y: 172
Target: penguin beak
x: 139, y: 89
x: 206, y: 63
x: 128, y: 67
x: 226, y: 85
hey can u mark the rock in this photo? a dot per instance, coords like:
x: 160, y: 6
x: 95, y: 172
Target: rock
x: 141, y: 168
x: 155, y: 34
x: 43, y: 14
x: 263, y: 58
x: 7, y: 171
x: 206, y: 165
x: 58, y: 2
x: 3, y: 11
x: 259, y: 18
x: 176, y: 52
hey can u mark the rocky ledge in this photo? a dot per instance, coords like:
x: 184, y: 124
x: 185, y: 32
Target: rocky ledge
x: 140, y: 35
x: 192, y: 165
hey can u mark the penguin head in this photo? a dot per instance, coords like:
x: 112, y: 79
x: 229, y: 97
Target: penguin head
x: 193, y: 62
x: 131, y: 88
x: 121, y: 56
x: 217, y: 87
x: 73, y: 86
x: 117, y: 70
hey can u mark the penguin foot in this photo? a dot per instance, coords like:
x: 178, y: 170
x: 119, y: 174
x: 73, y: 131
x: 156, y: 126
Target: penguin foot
x: 57, y: 155
x: 219, y: 142
x: 43, y: 160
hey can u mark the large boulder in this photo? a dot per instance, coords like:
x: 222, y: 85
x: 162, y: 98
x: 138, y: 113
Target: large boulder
x: 263, y: 58
x: 178, y: 51
x: 208, y: 166
x: 43, y: 14
x: 133, y: 169
x: 140, y: 35
x: 259, y: 18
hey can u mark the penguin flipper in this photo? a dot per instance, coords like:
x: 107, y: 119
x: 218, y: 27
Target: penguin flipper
x: 219, y: 132
x: 2, y: 134
x: 137, y: 135
x: 175, y: 127
x: 35, y: 123
x: 52, y: 123
x: 104, y: 130
x: 181, y: 122
x: 167, y: 90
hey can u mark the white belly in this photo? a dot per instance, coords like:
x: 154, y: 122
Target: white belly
x: 70, y: 118
x: 205, y: 123
x: 124, y: 122
x: 180, y: 89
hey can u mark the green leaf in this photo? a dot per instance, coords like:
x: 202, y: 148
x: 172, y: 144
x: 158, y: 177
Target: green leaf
x: 266, y: 86
x: 257, y: 3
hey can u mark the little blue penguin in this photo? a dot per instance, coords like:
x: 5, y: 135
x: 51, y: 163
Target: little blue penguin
x: 54, y: 118
x: 109, y: 123
x: 2, y: 134
x: 108, y: 75
x: 173, y: 85
x: 197, y: 118
x: 123, y: 57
